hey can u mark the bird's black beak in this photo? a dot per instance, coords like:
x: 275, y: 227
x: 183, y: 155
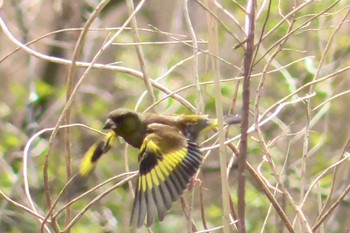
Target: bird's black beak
x: 109, y: 124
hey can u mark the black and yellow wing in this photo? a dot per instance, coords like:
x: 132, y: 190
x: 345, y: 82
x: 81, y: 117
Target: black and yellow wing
x: 95, y: 152
x: 79, y: 180
x: 167, y: 163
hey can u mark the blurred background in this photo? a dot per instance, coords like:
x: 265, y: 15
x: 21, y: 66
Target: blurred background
x: 301, y: 48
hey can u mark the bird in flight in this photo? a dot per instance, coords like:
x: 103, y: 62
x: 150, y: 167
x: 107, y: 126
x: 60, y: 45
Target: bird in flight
x: 168, y: 156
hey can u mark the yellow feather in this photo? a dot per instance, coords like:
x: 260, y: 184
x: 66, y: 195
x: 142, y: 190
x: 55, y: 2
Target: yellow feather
x: 110, y: 141
x: 213, y: 125
x: 173, y: 159
x: 149, y: 181
x: 143, y: 184
x: 169, y: 166
x: 86, y: 164
x: 168, y: 160
x: 180, y: 155
x: 159, y: 173
x: 139, y: 184
x: 152, y: 146
x: 154, y: 177
x: 163, y: 168
x: 177, y: 157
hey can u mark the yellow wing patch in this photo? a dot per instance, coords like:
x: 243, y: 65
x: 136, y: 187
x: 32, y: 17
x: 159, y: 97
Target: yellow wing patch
x: 162, y: 169
x: 163, y: 177
x: 86, y: 165
x: 95, y: 152
x: 109, y: 141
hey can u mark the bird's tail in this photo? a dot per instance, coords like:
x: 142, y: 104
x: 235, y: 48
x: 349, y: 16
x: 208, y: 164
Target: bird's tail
x: 202, y: 127
x: 88, y: 164
x: 232, y: 119
x: 228, y: 120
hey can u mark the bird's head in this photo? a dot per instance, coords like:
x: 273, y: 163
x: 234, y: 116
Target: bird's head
x: 124, y: 122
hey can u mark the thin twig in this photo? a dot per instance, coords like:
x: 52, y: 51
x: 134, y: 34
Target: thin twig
x: 96, y: 199
x: 213, y: 49
x: 123, y: 69
x: 200, y: 101
x: 335, y: 172
x: 324, y: 172
x: 22, y: 207
x: 330, y: 210
x: 263, y: 121
x: 140, y: 54
x: 70, y: 96
x: 208, y: 10
x: 247, y: 65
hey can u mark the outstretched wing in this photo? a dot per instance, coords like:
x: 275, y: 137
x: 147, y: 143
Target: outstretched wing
x: 167, y: 163
x: 95, y: 152
x: 78, y: 182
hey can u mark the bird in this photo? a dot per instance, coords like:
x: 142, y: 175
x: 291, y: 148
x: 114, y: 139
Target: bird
x: 169, y: 156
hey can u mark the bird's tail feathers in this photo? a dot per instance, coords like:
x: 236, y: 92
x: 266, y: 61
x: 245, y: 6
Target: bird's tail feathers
x: 232, y: 119
x: 228, y: 120
x: 194, y: 131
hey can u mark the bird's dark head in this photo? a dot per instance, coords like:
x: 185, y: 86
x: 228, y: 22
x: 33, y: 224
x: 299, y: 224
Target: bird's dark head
x: 127, y: 124
x: 122, y: 119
